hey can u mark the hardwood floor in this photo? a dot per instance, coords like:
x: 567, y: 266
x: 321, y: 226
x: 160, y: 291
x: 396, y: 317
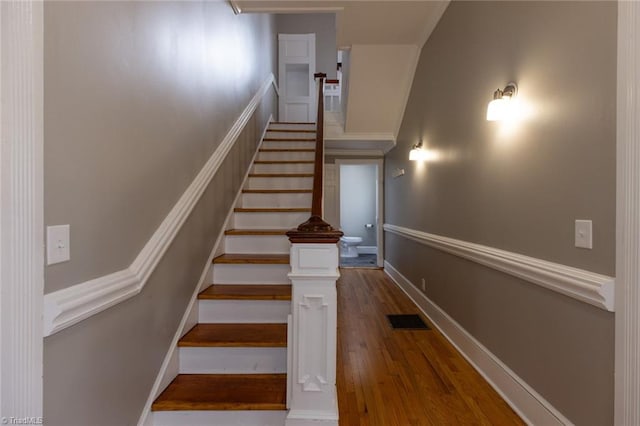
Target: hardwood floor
x: 392, y: 377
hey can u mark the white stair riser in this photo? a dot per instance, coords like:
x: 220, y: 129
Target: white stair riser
x: 219, y: 418
x: 288, y: 145
x: 286, y: 155
x: 269, y: 220
x: 280, y: 183
x: 283, y: 168
x: 251, y: 274
x: 277, y: 200
x: 243, y: 311
x: 245, y: 360
x: 257, y: 244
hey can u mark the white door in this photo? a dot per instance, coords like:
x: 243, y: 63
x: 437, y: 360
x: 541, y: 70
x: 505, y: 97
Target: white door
x: 297, y: 64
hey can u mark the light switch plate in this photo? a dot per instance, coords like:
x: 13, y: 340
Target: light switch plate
x: 58, y: 244
x: 584, y: 234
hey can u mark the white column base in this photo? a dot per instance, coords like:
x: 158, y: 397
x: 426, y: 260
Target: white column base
x: 313, y: 417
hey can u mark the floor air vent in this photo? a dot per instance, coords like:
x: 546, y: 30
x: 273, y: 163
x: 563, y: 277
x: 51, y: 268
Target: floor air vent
x: 407, y: 322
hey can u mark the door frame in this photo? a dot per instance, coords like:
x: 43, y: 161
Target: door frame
x: 379, y: 162
x: 21, y: 209
x: 627, y: 289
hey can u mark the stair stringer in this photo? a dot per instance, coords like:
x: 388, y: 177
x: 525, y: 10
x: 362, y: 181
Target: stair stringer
x: 171, y: 363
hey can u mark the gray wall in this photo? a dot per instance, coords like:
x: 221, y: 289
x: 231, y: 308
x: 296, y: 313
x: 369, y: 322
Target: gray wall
x: 518, y: 187
x: 324, y: 27
x: 138, y: 95
x: 358, y: 201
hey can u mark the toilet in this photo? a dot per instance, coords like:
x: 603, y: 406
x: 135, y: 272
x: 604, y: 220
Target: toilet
x: 348, y: 246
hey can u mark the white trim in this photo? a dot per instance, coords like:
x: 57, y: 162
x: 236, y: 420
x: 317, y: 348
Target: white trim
x: 22, y: 207
x: 627, y: 334
x: 525, y: 401
x: 588, y: 287
x: 293, y: 9
x: 166, y: 372
x: 68, y: 306
x: 379, y: 199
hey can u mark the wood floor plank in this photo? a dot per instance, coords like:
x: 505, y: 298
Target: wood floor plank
x: 392, y: 377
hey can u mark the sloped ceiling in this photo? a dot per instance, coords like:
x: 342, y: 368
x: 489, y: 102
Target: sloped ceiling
x: 384, y: 39
x: 364, y: 22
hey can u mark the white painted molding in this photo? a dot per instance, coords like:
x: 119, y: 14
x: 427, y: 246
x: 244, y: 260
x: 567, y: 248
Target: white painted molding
x: 170, y: 365
x: 531, y: 406
x: 588, y: 287
x: 21, y: 212
x: 68, y: 306
x: 293, y: 9
x: 627, y: 334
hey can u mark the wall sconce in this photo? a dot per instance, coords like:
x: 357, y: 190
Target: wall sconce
x: 417, y: 153
x: 498, y: 108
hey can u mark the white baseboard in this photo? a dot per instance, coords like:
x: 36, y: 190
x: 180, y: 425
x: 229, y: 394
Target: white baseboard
x: 524, y: 400
x: 66, y: 307
x: 170, y: 366
x: 367, y: 249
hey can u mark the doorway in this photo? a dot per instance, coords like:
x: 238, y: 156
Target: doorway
x: 358, y: 202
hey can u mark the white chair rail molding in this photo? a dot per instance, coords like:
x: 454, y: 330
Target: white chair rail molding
x: 586, y: 286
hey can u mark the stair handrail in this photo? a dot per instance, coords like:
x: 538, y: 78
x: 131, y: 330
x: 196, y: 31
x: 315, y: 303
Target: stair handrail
x: 315, y: 229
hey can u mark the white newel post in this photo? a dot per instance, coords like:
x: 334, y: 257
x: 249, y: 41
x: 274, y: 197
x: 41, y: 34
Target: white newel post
x: 312, y: 353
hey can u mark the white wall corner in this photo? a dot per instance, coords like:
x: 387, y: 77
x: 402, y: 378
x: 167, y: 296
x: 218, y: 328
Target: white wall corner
x: 524, y: 400
x: 589, y: 287
x: 68, y: 306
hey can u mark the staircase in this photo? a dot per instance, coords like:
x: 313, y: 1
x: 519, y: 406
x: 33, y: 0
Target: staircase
x: 233, y: 363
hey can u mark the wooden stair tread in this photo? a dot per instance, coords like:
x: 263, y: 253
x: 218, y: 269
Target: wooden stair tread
x: 256, y: 231
x: 291, y: 122
x: 289, y: 139
x: 291, y: 130
x: 271, y: 210
x: 246, y: 292
x: 253, y: 258
x: 277, y: 191
x: 236, y: 335
x: 283, y: 162
x: 274, y: 175
x: 224, y: 392
x: 287, y: 150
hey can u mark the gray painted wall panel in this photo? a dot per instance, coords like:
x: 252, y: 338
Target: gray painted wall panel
x: 120, y: 151
x: 517, y: 189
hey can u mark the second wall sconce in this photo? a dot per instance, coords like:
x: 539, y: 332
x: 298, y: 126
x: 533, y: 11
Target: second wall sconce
x: 499, y: 107
x: 417, y: 153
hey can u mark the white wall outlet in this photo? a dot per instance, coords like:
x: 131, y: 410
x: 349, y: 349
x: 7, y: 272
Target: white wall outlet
x: 584, y: 234
x: 424, y: 285
x: 58, y: 244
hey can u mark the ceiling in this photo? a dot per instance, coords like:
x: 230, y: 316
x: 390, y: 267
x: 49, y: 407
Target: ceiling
x: 363, y: 22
